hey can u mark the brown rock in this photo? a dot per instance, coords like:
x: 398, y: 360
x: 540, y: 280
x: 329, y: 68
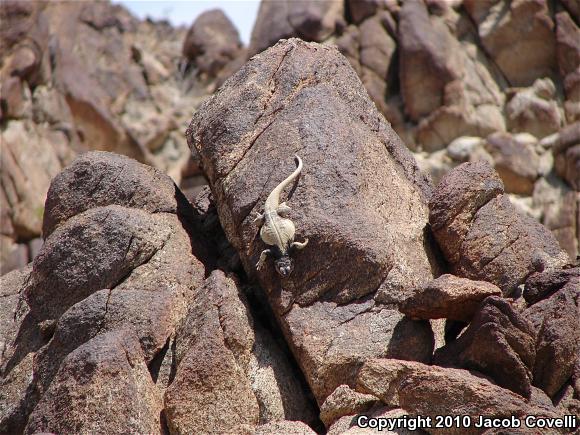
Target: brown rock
x: 534, y: 110
x: 15, y: 98
x: 211, y: 42
x: 541, y: 285
x: 567, y: 154
x: 213, y: 348
x: 91, y: 251
x: 567, y: 47
x: 344, y: 401
x: 515, y: 160
x: 448, y: 297
x: 319, y: 295
x: 310, y: 21
x: 31, y: 156
x: 481, y: 234
x: 284, y: 427
x: 99, y: 179
x: 557, y: 322
x: 499, y: 342
x: 109, y: 367
x: 347, y: 425
x: 431, y: 390
x: 362, y: 9
x: 507, y: 30
x: 427, y: 59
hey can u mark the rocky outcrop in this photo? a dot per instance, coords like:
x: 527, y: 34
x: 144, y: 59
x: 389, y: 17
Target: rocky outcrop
x: 558, y: 338
x: 482, y: 235
x: 78, y: 77
x: 498, y: 342
x: 342, y: 228
x: 118, y: 287
x: 211, y: 43
x: 448, y: 297
x: 430, y: 390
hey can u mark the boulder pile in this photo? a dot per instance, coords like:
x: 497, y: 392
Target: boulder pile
x: 142, y: 310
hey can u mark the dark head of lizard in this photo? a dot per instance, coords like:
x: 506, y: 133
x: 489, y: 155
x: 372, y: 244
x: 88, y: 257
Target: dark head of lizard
x: 277, y: 230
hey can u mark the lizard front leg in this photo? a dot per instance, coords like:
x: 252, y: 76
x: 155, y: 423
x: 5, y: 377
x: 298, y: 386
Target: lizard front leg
x: 298, y: 245
x: 262, y: 259
x: 259, y: 219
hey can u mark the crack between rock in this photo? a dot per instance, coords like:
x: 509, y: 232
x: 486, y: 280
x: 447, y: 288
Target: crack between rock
x: 102, y: 323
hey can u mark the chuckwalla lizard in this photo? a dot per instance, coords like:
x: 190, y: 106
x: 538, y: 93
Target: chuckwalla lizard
x: 278, y: 231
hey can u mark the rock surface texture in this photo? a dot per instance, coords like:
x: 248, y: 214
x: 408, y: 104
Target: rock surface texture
x: 439, y: 196
x: 304, y: 99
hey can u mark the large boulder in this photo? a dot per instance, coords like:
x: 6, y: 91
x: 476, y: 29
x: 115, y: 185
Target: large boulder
x: 303, y: 98
x: 557, y: 323
x: 311, y: 21
x: 211, y: 42
x: 499, y: 342
x: 431, y: 390
x: 482, y: 235
x: 509, y: 28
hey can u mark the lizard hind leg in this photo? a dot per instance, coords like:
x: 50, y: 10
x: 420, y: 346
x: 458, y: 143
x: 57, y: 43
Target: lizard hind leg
x: 298, y: 245
x: 283, y: 209
x: 262, y: 259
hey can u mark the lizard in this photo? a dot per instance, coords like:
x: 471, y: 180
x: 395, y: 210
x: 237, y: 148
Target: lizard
x: 277, y: 230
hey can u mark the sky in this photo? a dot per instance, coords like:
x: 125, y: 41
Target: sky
x: 183, y: 12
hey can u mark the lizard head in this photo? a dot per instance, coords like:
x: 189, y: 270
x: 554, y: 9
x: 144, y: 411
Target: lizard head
x: 284, y: 265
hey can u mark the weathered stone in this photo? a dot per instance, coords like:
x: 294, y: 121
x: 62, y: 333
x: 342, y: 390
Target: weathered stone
x: 211, y: 42
x: 481, y: 234
x: 31, y: 157
x: 426, y: 60
x: 461, y: 148
x: 499, y: 342
x: 567, y: 154
x: 515, y: 160
x: 347, y: 425
x: 344, y: 401
x: 213, y: 349
x: 431, y: 390
x: 310, y: 21
x: 568, y: 49
x: 284, y: 427
x: 269, y: 95
x: 534, y: 110
x: 448, y: 297
x: 109, y: 367
x: 91, y: 251
x: 99, y: 179
x: 557, y: 322
x: 541, y: 285
x: 509, y: 29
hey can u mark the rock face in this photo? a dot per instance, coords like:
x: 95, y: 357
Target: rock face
x: 76, y: 77
x: 115, y: 308
x: 246, y: 136
x: 448, y: 297
x: 482, y: 235
x: 430, y: 390
x: 211, y: 43
x: 499, y: 342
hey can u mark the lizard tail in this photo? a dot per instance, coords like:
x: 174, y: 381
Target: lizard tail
x: 274, y: 198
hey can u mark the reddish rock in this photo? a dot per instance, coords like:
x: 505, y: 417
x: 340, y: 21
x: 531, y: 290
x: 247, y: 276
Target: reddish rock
x: 515, y: 160
x: 320, y: 296
x: 482, y: 235
x: 211, y: 42
x: 109, y: 367
x: 310, y: 21
x: 557, y: 323
x: 448, y: 297
x: 431, y: 390
x: 568, y: 49
x: 522, y: 26
x: 426, y: 59
x: 345, y: 401
x: 499, y: 342
x: 541, y: 285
